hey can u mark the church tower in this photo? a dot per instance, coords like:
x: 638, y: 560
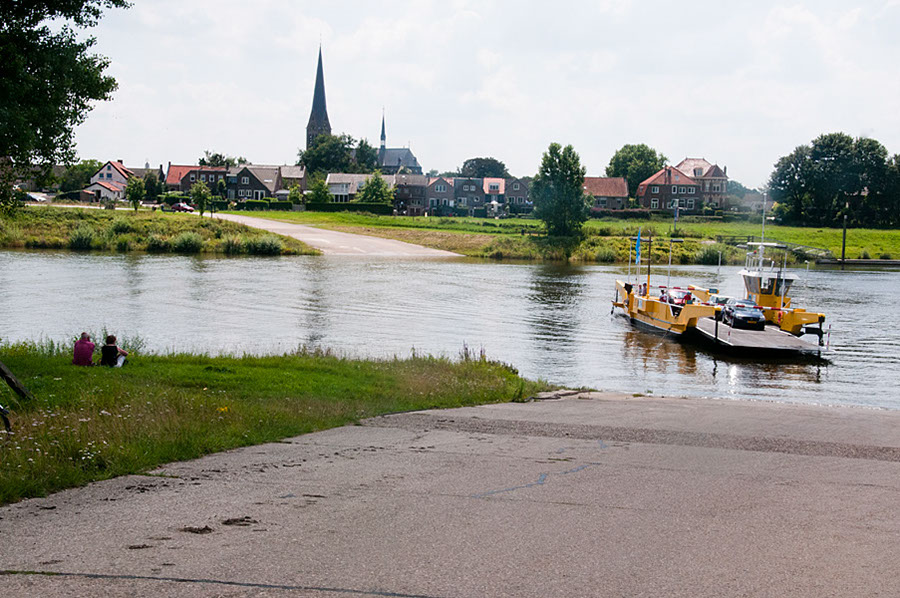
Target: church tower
x: 318, y: 118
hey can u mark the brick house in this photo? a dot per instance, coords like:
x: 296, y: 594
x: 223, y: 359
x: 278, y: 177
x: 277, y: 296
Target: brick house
x: 468, y: 193
x: 409, y: 192
x: 252, y: 182
x: 712, y: 181
x: 608, y: 193
x: 181, y: 177
x: 669, y: 187
x: 439, y: 193
x: 517, y: 193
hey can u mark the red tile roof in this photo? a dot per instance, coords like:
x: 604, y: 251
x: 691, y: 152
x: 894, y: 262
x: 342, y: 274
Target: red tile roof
x: 599, y: 186
x: 125, y: 172
x: 177, y: 172
x: 110, y: 185
x: 667, y: 176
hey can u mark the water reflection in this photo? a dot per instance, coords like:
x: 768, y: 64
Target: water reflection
x: 549, y: 321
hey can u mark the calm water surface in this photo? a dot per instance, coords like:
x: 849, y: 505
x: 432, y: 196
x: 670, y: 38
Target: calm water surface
x: 549, y: 321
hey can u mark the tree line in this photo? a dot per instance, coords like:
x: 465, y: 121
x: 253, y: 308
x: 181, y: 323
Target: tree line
x: 818, y: 183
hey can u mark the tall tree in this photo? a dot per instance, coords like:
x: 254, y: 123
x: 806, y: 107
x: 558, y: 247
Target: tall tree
x: 366, y: 157
x: 483, y: 167
x: 375, y: 190
x: 558, y: 191
x: 48, y: 80
x: 77, y: 176
x: 152, y: 187
x: 134, y: 192
x: 328, y: 153
x: 216, y: 159
x: 200, y: 196
x: 635, y: 163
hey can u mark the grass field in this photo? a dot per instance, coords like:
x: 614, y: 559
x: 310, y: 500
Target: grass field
x: 88, y: 424
x: 47, y: 227
x: 522, y: 238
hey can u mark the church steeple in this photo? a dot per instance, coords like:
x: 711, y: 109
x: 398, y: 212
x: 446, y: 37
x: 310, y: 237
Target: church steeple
x: 383, y: 137
x: 318, y: 118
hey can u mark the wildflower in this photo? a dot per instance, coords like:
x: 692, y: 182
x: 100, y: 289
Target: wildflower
x: 222, y: 409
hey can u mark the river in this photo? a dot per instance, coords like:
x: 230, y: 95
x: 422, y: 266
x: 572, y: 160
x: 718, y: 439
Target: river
x: 549, y: 321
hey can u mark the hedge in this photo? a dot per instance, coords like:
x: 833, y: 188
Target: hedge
x: 173, y: 198
x: 256, y: 204
x: 281, y: 205
x: 381, y: 209
x: 220, y: 204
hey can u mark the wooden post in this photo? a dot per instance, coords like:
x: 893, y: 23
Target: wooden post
x: 14, y: 382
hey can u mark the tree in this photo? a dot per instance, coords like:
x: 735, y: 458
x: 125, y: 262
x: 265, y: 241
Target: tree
x: 295, y: 195
x: 318, y: 191
x: 220, y: 160
x: 78, y: 176
x: 152, y: 187
x: 375, y: 190
x: 134, y: 192
x: 366, y: 157
x: 221, y: 188
x: 635, y: 163
x: 200, y: 196
x: 328, y: 153
x: 48, y: 80
x: 483, y: 167
x: 558, y: 191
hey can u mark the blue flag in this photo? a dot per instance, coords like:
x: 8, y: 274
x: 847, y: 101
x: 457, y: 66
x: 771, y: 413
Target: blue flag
x: 637, y: 249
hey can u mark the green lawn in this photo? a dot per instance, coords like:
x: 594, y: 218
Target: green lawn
x: 87, y: 424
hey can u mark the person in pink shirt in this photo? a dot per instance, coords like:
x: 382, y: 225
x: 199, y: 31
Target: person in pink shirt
x: 84, y: 350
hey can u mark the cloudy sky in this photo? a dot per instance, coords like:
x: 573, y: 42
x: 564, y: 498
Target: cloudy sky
x: 739, y: 83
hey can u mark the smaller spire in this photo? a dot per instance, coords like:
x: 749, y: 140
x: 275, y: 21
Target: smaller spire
x: 383, y: 136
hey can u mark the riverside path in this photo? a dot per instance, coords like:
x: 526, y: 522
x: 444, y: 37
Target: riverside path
x: 589, y: 495
x: 332, y: 242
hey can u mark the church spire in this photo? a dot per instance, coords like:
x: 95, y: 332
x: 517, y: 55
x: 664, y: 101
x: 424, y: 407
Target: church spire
x: 318, y: 117
x: 383, y: 137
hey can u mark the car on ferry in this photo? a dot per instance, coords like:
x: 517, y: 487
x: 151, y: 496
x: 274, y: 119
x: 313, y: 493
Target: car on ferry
x: 740, y: 313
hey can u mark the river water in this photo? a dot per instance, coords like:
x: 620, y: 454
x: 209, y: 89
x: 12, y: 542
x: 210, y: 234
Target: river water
x: 549, y: 321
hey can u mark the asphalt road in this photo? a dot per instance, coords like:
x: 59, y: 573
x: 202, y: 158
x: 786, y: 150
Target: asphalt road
x: 332, y: 242
x: 600, y: 495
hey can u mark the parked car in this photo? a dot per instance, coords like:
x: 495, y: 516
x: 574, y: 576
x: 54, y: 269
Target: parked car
x: 678, y: 296
x: 740, y: 313
x: 182, y: 207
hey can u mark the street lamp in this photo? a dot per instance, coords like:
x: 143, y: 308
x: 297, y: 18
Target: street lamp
x: 844, y: 242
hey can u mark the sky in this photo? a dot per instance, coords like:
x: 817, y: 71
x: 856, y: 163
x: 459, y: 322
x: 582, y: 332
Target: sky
x: 739, y: 83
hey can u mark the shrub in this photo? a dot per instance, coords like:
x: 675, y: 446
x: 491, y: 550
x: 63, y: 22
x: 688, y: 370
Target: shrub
x: 379, y: 209
x: 188, y: 242
x: 256, y: 204
x: 606, y: 255
x: 885, y: 256
x: 232, y: 246
x: 709, y: 255
x: 121, y: 225
x: 157, y: 244
x: 123, y: 243
x: 865, y: 255
x: 82, y: 238
x: 267, y: 245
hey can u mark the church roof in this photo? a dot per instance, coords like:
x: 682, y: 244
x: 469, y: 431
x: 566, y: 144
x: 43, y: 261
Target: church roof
x: 397, y: 156
x: 318, y: 117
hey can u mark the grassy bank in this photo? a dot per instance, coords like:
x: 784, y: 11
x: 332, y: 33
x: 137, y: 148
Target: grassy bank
x: 88, y: 424
x: 605, y: 241
x: 102, y: 230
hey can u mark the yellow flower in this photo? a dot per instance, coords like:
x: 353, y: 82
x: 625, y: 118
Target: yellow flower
x: 222, y: 409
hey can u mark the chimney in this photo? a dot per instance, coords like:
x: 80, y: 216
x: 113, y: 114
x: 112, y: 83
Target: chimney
x: 120, y: 161
x: 725, y: 170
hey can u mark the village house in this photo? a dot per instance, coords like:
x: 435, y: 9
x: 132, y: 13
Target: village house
x: 667, y: 188
x: 469, y: 193
x: 439, y: 192
x: 608, y: 193
x: 344, y: 186
x: 517, y: 192
x: 712, y: 181
x: 109, y: 182
x: 409, y: 190
x: 252, y: 182
x: 181, y: 177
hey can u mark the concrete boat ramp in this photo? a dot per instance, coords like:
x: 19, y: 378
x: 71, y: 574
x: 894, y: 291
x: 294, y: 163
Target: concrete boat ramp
x: 589, y: 495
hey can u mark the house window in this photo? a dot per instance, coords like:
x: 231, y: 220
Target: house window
x: 690, y: 204
x: 698, y: 172
x: 440, y: 188
x: 683, y: 191
x: 245, y: 180
x: 203, y: 177
x: 193, y: 176
x: 654, y: 203
x: 670, y: 203
x: 515, y: 186
x: 707, y: 185
x: 654, y: 189
x: 681, y: 203
x: 109, y: 175
x: 691, y: 190
x: 444, y: 201
x: 494, y: 188
x: 674, y: 189
x: 601, y: 202
x: 108, y: 167
x: 220, y: 177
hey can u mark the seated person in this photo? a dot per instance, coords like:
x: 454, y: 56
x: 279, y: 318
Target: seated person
x: 111, y: 355
x: 84, y: 350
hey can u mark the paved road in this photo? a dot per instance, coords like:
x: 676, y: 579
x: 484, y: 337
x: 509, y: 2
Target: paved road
x: 600, y: 495
x: 337, y: 243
